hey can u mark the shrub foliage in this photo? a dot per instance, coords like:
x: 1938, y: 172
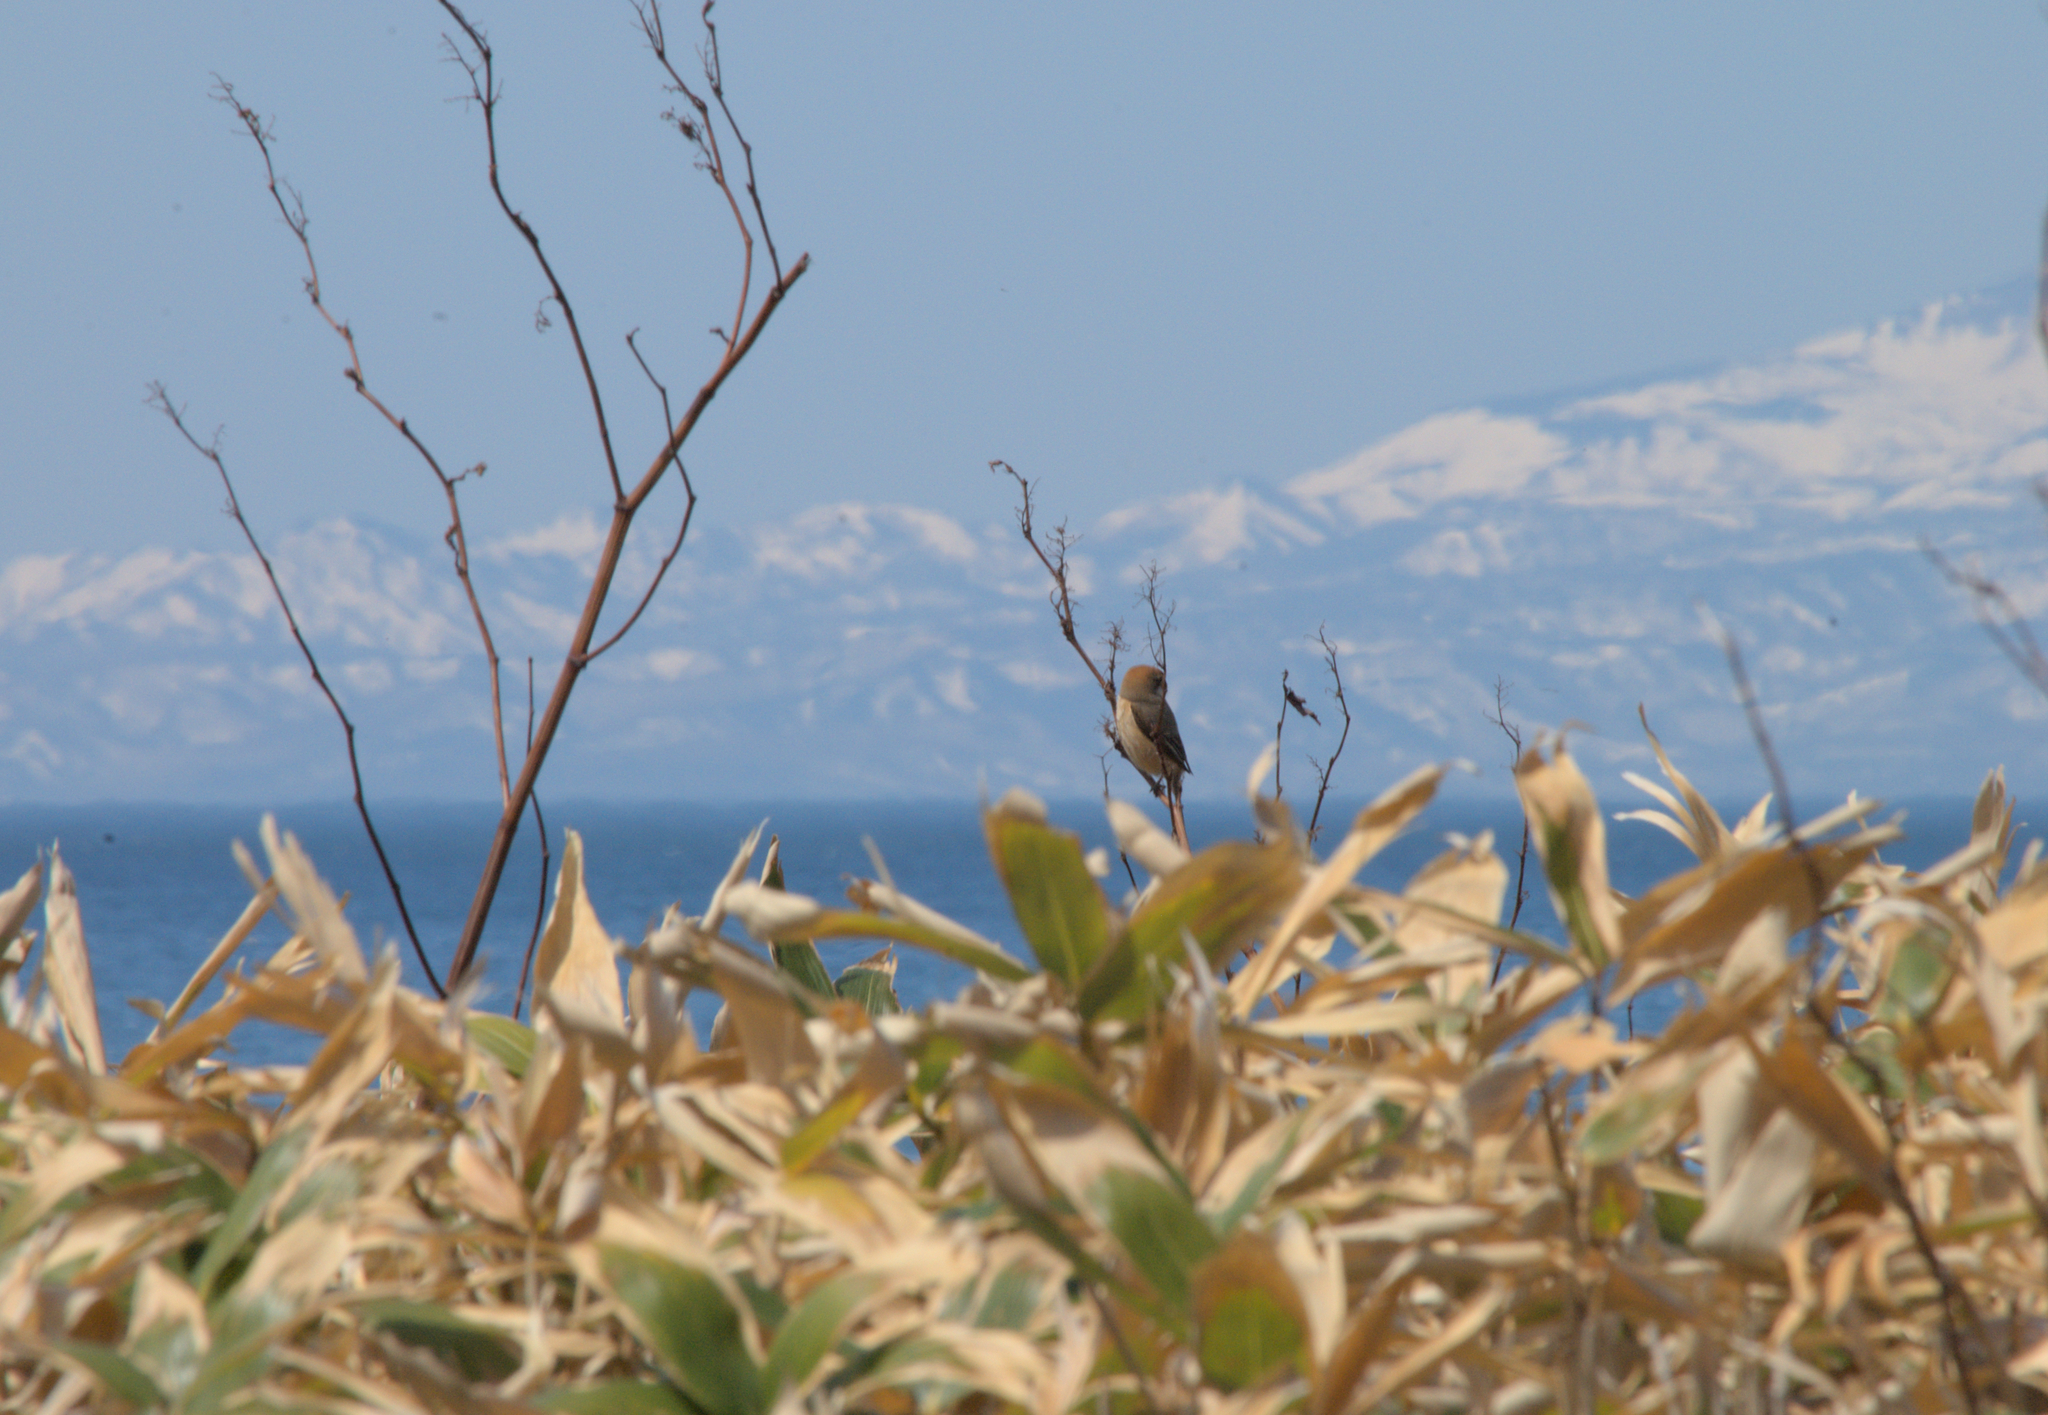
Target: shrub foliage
x: 1256, y: 1138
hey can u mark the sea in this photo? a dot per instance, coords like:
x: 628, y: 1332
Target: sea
x: 158, y: 885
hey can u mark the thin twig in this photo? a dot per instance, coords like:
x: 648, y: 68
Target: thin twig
x: 292, y: 207
x: 160, y: 399
x: 626, y: 505
x: 1324, y: 770
x: 1956, y: 1305
x: 540, y: 825
x: 1061, y: 597
x: 1162, y: 618
x: 714, y: 74
x: 484, y: 91
x: 1513, y: 731
x: 2000, y: 617
x: 682, y: 527
x: 702, y: 133
x: 1751, y: 710
x: 1288, y: 699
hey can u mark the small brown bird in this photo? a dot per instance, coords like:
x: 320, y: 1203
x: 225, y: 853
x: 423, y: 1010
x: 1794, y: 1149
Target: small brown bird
x: 1145, y: 726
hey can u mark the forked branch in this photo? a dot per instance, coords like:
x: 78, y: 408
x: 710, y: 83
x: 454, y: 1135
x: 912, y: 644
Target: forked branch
x: 627, y: 500
x: 292, y: 207
x: 160, y: 399
x: 1325, y: 769
x: 1996, y: 611
x: 483, y: 91
x: 1052, y: 553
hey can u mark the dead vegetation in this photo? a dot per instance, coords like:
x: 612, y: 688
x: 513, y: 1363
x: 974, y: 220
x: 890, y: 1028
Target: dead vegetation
x: 1104, y: 1178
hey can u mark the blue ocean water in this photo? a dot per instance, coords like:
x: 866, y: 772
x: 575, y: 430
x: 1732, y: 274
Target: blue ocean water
x: 158, y: 887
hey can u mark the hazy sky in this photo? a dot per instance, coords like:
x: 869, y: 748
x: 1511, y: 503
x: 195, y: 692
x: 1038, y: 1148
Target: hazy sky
x: 1128, y: 250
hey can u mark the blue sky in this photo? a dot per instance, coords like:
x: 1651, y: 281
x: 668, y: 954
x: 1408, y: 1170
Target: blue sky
x: 1490, y: 337
x: 1129, y: 254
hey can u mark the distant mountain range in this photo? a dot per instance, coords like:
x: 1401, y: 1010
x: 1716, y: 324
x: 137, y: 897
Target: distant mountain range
x: 1561, y: 547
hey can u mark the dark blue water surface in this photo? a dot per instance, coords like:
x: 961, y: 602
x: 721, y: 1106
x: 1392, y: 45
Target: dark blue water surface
x: 158, y: 887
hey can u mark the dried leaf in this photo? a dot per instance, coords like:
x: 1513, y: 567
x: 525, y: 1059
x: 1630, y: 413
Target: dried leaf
x: 576, y: 966
x: 68, y: 970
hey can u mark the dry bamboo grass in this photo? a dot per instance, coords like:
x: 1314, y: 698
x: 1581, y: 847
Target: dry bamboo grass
x: 1105, y: 1178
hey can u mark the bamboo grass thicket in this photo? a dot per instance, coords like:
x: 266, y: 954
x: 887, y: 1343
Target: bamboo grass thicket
x: 1129, y: 1171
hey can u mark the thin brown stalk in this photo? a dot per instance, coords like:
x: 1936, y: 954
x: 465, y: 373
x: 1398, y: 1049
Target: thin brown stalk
x: 1055, y: 562
x: 1052, y: 553
x: 1512, y: 730
x: 540, y: 825
x: 1325, y: 769
x: 2001, y: 618
x: 714, y: 74
x: 626, y: 505
x: 484, y: 92
x: 1956, y: 1307
x: 702, y: 133
x: 291, y: 206
x: 682, y: 527
x: 1753, y: 712
x: 160, y: 399
x: 1288, y: 699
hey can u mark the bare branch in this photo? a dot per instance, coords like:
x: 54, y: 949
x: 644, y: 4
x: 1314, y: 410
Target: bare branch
x: 160, y: 399
x: 1162, y: 618
x: 540, y: 825
x: 714, y: 73
x: 701, y: 133
x: 1054, y: 559
x: 484, y: 92
x: 1288, y: 699
x: 1052, y: 553
x: 1326, y: 768
x: 682, y: 528
x: 292, y: 207
x: 2000, y: 617
x: 628, y: 501
x: 1512, y: 730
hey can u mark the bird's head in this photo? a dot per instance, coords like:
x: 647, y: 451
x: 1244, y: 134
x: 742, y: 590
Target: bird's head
x: 1144, y: 684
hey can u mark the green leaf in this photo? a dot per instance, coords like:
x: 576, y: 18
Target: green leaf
x: 1258, y: 1184
x: 325, y: 1188
x: 1058, y: 906
x: 505, y: 1041
x: 615, y: 1398
x: 1562, y: 866
x: 1676, y: 1214
x: 817, y: 1134
x: 872, y: 986
x: 1248, y: 1337
x: 245, y: 1329
x: 690, y: 1324
x: 813, y: 1328
x: 116, y: 1372
x: 169, y: 1350
x: 800, y: 960
x: 1159, y: 1228
x: 269, y: 1173
x: 797, y: 957
x: 1919, y: 976
x: 478, y: 1352
x: 848, y: 923
x: 1221, y: 899
x: 1012, y: 1298
x: 1620, y: 1127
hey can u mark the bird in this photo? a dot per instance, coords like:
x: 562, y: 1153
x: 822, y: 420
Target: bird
x: 1145, y: 727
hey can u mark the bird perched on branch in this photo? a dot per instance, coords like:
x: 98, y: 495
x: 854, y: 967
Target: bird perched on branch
x: 1145, y: 727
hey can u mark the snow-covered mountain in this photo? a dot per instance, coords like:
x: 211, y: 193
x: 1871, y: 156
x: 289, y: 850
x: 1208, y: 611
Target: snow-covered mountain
x: 1561, y: 547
